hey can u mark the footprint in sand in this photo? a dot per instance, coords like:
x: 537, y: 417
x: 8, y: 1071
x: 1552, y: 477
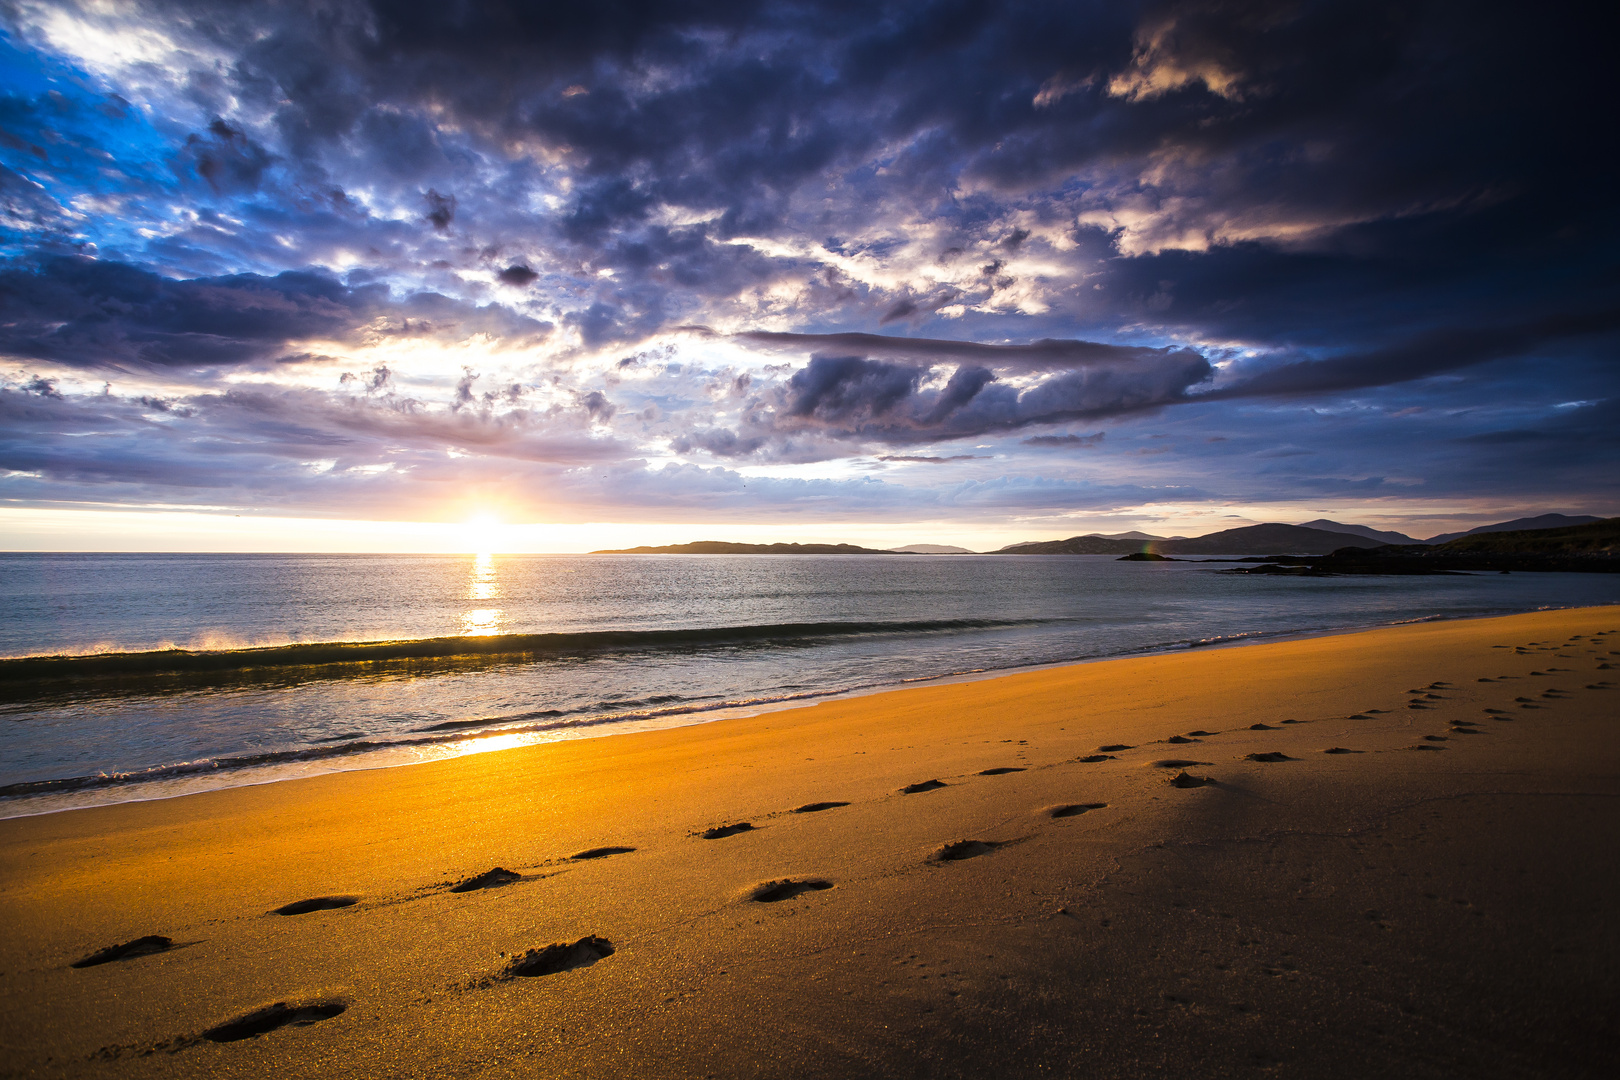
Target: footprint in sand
x: 958, y: 850
x: 1187, y: 780
x: 1092, y: 759
x: 1200, y: 734
x: 772, y: 892
x: 1267, y: 727
x: 280, y: 1015
x: 1273, y: 756
x: 1113, y: 747
x: 817, y: 807
x: 141, y: 946
x: 925, y: 785
x: 720, y: 832
x: 1177, y: 763
x: 489, y: 879
x: 1426, y: 746
x: 1003, y: 771
x: 316, y: 903
x: 1179, y: 739
x: 1435, y: 738
x: 601, y: 852
x: 558, y: 957
x: 1074, y: 809
x: 1342, y: 750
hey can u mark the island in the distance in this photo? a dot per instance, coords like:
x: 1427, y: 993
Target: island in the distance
x: 723, y: 547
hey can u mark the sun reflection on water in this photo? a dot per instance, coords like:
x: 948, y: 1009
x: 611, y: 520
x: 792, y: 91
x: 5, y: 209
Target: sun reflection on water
x: 482, y: 585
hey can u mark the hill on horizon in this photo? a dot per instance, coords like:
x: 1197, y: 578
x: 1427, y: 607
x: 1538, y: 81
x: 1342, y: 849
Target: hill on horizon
x: 1529, y: 524
x: 725, y: 547
x: 1388, y: 536
x: 1271, y: 538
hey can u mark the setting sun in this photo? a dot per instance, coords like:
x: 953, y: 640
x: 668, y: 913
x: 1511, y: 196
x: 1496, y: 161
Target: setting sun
x: 484, y: 534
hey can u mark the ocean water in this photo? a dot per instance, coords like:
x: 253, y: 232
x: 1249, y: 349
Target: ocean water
x: 576, y: 646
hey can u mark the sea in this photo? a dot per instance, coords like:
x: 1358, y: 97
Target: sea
x: 493, y: 651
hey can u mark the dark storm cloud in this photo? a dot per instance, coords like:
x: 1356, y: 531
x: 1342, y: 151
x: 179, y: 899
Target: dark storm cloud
x: 1328, y: 200
x: 842, y: 399
x: 1043, y: 355
x: 226, y: 158
x: 88, y: 313
x: 1430, y: 354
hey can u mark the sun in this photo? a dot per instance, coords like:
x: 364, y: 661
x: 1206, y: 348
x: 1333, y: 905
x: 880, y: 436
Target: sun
x: 483, y: 534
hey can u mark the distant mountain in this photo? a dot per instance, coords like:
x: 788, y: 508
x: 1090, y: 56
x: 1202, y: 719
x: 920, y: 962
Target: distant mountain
x: 931, y: 549
x: 1271, y: 539
x: 1545, y: 521
x: 1075, y: 545
x: 1268, y: 539
x: 1596, y: 537
x: 723, y: 547
x: 1133, y: 535
x: 1360, y: 530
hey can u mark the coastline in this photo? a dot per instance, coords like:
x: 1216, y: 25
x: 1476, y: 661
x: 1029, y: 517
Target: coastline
x: 495, y: 734
x: 1117, y: 938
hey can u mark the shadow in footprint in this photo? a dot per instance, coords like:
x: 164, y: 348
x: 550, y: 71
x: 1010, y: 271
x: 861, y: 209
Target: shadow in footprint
x: 559, y: 957
x: 489, y: 879
x: 1074, y: 809
x: 1003, y: 771
x: 1176, y: 763
x: 720, y: 832
x: 958, y: 850
x: 317, y: 903
x: 1112, y: 747
x: 141, y: 946
x: 1342, y: 750
x: 1200, y: 734
x: 1261, y: 727
x: 773, y: 891
x: 602, y: 852
x: 1092, y: 759
x: 1178, y: 739
x: 1273, y: 756
x: 280, y: 1015
x: 926, y: 785
x: 817, y: 807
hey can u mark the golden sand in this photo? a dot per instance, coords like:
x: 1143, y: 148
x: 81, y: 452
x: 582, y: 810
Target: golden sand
x: 1403, y: 863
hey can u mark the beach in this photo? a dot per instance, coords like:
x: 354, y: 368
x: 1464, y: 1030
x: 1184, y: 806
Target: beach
x: 1392, y: 851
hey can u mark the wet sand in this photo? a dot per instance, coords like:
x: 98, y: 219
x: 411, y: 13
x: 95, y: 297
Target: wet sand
x: 1392, y: 852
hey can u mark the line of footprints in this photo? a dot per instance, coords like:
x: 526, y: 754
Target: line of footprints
x: 568, y: 956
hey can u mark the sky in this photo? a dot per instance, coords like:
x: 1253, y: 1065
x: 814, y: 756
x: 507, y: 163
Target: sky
x: 454, y: 275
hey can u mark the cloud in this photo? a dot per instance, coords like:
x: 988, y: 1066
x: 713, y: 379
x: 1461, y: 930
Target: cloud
x: 841, y: 399
x: 1074, y: 441
x: 1427, y: 355
x: 1274, y: 222
x: 87, y: 313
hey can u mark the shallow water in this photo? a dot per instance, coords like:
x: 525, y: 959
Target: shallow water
x: 656, y: 641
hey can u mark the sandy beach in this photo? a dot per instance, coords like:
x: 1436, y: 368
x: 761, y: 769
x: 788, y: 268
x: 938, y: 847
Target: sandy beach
x: 1388, y: 853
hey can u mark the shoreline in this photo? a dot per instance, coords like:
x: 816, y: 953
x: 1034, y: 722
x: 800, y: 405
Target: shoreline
x: 1400, y: 863
x: 298, y: 764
